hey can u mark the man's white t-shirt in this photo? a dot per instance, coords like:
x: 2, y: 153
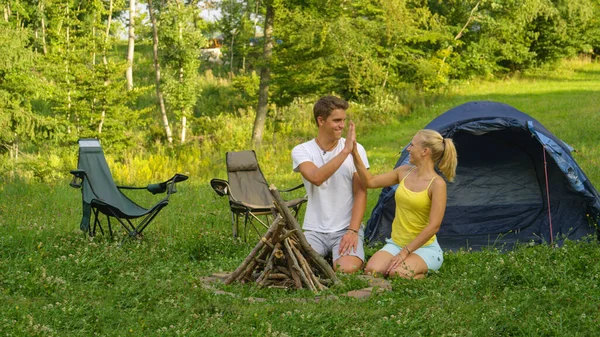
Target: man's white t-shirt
x: 329, y: 207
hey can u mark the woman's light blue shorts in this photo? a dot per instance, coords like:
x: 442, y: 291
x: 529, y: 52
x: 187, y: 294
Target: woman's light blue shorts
x: 432, y: 254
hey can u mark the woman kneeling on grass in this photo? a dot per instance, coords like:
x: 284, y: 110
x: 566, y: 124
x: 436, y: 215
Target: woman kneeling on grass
x: 413, y: 249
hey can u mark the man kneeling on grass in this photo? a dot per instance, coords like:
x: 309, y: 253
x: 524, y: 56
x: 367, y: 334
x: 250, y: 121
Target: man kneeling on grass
x: 336, y: 197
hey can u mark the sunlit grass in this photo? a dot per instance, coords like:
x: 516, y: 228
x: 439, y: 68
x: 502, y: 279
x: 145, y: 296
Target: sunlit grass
x: 57, y: 282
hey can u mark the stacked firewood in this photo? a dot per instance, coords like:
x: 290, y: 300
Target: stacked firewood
x: 283, y: 258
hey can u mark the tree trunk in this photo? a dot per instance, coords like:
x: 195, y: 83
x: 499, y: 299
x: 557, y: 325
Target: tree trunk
x: 183, y: 128
x: 68, y: 37
x: 105, y: 62
x: 36, y: 36
x: 131, y: 45
x: 94, y: 43
x: 181, y: 82
x: 93, y: 107
x: 231, y: 54
x: 159, y: 96
x: 44, y: 47
x: 6, y: 12
x: 265, y: 77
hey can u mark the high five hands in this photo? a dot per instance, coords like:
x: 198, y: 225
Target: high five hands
x: 350, y: 137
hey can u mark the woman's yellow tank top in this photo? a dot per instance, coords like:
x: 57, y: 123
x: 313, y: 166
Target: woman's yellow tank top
x: 412, y: 214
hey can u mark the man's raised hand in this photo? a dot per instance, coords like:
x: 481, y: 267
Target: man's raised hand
x: 350, y: 137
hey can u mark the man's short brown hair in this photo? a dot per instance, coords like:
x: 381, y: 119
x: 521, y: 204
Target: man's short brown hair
x: 326, y: 104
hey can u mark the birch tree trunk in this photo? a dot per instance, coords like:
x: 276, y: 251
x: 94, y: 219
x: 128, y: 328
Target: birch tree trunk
x: 6, y: 12
x: 265, y: 77
x: 68, y: 81
x: 130, y: 46
x: 181, y: 82
x: 105, y: 62
x: 159, y: 95
x: 44, y: 47
x: 41, y: 36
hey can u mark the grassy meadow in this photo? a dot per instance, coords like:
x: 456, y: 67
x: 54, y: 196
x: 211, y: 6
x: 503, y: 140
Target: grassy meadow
x: 55, y: 281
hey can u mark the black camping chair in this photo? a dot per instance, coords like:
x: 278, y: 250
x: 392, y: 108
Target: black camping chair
x: 248, y: 192
x: 101, y: 195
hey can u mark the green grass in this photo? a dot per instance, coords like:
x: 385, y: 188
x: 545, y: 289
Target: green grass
x: 54, y: 281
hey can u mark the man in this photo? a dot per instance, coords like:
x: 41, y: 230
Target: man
x: 336, y: 196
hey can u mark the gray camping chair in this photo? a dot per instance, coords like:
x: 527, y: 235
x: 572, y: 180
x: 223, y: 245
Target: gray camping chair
x: 248, y: 192
x: 101, y: 195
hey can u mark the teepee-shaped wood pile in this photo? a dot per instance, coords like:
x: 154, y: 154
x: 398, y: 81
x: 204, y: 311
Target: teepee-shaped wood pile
x: 283, y: 258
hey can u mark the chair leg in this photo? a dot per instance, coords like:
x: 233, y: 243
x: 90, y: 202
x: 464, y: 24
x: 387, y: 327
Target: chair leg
x: 96, y: 223
x: 92, y: 228
x: 109, y: 227
x: 147, y: 220
x: 234, y: 224
x: 129, y: 227
x: 245, y: 225
x: 256, y: 230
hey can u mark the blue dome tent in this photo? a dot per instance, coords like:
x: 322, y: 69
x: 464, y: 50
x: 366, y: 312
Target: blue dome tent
x: 508, y: 189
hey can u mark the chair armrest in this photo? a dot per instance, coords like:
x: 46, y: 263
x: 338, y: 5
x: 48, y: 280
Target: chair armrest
x: 168, y: 186
x: 78, y: 176
x: 78, y: 173
x: 220, y: 186
x: 293, y: 188
x: 177, y: 178
x: 159, y: 187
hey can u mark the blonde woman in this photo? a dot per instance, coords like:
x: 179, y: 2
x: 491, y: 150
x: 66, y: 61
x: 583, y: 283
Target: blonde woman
x: 413, y: 249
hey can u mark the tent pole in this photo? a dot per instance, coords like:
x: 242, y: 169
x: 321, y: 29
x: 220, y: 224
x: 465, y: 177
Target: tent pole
x: 548, y: 194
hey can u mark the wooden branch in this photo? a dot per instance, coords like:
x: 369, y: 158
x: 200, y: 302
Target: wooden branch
x: 287, y: 234
x: 309, y: 278
x: 460, y: 33
x: 259, y: 260
x: 278, y: 276
x: 303, y: 277
x: 284, y: 269
x: 289, y: 256
x: 269, y: 266
x: 265, y: 271
x: 307, y: 270
x: 309, y: 258
x: 471, y: 16
x: 293, y: 225
x: 254, y: 251
x: 295, y: 267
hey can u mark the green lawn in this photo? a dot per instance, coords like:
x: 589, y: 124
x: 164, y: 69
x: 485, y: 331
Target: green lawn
x: 54, y: 281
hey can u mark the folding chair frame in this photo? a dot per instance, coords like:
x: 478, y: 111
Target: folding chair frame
x: 250, y: 213
x: 131, y: 229
x: 98, y: 205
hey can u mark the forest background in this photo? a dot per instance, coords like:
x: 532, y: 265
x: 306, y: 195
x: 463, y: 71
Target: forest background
x: 134, y: 75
